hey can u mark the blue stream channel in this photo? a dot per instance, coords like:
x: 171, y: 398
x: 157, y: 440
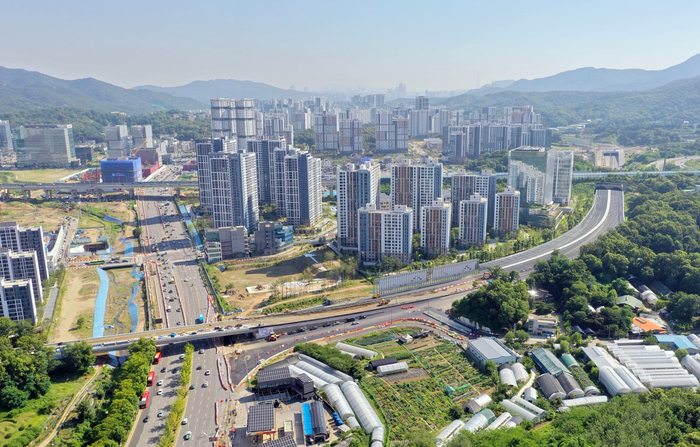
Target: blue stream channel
x: 98, y: 327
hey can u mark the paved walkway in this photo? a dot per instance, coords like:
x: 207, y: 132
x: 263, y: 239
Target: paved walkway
x: 50, y: 307
x: 528, y: 384
x: 69, y: 408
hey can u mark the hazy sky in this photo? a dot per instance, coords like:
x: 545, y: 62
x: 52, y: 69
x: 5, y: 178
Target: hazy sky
x: 432, y: 45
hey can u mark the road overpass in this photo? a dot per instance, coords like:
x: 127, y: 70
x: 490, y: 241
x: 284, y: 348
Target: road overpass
x: 92, y: 188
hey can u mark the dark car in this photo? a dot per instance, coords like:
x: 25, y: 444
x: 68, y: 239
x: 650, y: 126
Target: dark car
x: 146, y: 419
x: 362, y: 317
x: 313, y: 328
x: 329, y: 324
x: 163, y: 369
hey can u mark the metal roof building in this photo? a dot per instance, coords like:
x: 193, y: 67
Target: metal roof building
x: 478, y: 403
x: 489, y: 348
x: 365, y: 353
x: 284, y: 441
x: 694, y: 339
x: 448, y: 432
x: 318, y: 421
x: 548, y: 362
x: 506, y: 376
x: 550, y: 386
x: 479, y: 421
x: 612, y: 382
x: 521, y: 374
x: 322, y: 366
x: 677, y: 342
x: 521, y: 411
x: 591, y: 400
x: 394, y: 368
x: 361, y: 407
x: 651, y: 366
x: 570, y: 386
x: 530, y: 394
x: 568, y: 360
x: 499, y: 421
x: 338, y: 401
x: 373, y: 364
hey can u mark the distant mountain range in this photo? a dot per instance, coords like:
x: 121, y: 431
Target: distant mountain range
x: 591, y: 79
x: 204, y: 91
x: 22, y: 90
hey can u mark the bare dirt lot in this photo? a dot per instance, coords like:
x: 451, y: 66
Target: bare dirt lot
x: 49, y: 215
x: 78, y: 300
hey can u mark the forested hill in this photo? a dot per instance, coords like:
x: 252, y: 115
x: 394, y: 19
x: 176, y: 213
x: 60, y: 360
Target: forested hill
x: 671, y: 104
x: 23, y: 90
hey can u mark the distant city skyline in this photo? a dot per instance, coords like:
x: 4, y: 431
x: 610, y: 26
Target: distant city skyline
x: 314, y: 44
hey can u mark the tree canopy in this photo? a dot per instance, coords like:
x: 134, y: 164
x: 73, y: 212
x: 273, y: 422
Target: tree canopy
x: 497, y: 306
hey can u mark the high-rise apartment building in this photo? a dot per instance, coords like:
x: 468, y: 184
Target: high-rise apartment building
x: 301, y: 119
x: 391, y: 132
x: 46, y: 145
x: 302, y: 188
x: 17, y: 301
x: 422, y: 103
x: 472, y: 221
x: 356, y: 187
x: 277, y: 126
x: 233, y: 118
x: 264, y: 150
x: 531, y: 171
x: 420, y: 123
x: 326, y: 131
x: 204, y: 147
x: 464, y: 185
x: 20, y: 239
x: 350, y: 136
x: 416, y: 185
x: 462, y: 141
x: 234, y: 190
x: 6, y: 143
x: 507, y: 212
x: 384, y: 234
x: 142, y: 136
x: 22, y: 265
x: 563, y: 175
x: 435, y: 228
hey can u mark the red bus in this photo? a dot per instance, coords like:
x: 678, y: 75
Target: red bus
x: 151, y: 378
x: 143, y: 403
x: 156, y: 358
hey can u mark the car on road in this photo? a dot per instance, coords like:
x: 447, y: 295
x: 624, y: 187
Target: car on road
x: 179, y: 323
x: 207, y: 372
x: 239, y: 351
x: 185, y: 421
x: 188, y: 436
x: 354, y: 323
x: 199, y: 367
x: 329, y: 324
x: 163, y: 369
x: 191, y: 387
x: 182, y: 356
x: 201, y: 351
x: 160, y: 382
x: 205, y: 385
x: 160, y: 414
x: 337, y: 323
x: 146, y: 419
x: 408, y: 307
x: 160, y: 392
x: 362, y: 317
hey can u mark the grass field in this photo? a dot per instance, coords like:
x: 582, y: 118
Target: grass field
x: 61, y: 391
x: 121, y: 284
x: 50, y: 215
x: 35, y: 175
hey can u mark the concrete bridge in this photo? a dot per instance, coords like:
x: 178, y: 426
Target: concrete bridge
x: 93, y: 188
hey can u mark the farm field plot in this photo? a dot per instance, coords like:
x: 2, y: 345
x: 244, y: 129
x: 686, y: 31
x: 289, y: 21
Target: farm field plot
x: 452, y: 369
x: 408, y: 406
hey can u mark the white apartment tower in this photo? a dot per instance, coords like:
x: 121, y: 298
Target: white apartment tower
x: 19, y: 239
x: 420, y: 123
x: 234, y: 190
x: 464, y: 185
x: 326, y: 131
x: 531, y: 171
x: 233, y: 118
x: 507, y: 212
x: 264, y: 150
x: 563, y: 175
x: 17, y: 301
x: 356, y: 187
x: 385, y: 233
x: 350, y: 136
x: 302, y: 187
x: 416, y: 185
x: 435, y: 228
x: 391, y: 132
x: 204, y: 148
x: 472, y: 221
x: 22, y: 265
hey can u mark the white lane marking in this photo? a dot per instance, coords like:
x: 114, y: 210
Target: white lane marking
x: 607, y: 210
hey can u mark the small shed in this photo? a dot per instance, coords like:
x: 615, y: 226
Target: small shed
x: 373, y: 364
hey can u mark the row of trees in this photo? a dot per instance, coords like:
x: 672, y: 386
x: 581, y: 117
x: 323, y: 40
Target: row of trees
x: 659, y: 418
x: 106, y: 421
x: 177, y: 409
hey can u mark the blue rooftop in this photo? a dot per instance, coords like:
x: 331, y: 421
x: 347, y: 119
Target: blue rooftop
x: 306, y: 419
x: 679, y: 341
